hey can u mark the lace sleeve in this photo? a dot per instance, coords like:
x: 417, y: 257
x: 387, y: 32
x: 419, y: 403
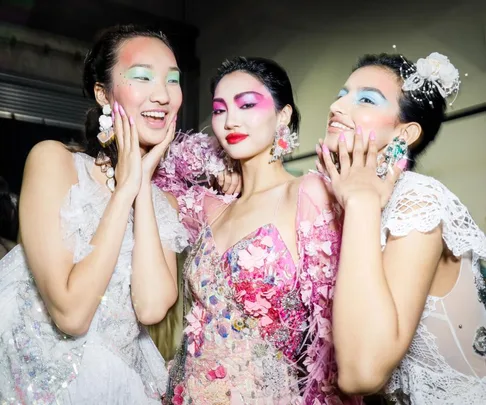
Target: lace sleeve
x: 172, y: 233
x: 422, y: 203
x: 319, y: 242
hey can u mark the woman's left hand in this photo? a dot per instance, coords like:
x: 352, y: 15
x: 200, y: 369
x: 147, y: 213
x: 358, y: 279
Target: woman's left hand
x: 229, y: 182
x: 358, y: 179
x: 151, y: 160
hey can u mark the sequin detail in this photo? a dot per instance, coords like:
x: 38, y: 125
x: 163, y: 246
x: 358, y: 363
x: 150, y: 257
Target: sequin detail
x: 115, y: 362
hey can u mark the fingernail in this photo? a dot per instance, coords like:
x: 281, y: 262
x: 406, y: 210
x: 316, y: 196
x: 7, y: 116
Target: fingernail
x: 115, y: 106
x: 318, y: 149
x: 112, y: 115
x: 174, y: 120
x: 402, y: 164
x: 341, y: 137
x: 131, y: 120
x: 359, y: 131
x: 325, y: 149
x: 372, y: 135
x: 122, y: 111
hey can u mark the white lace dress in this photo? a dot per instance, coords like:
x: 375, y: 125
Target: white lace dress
x: 116, y: 362
x: 446, y: 362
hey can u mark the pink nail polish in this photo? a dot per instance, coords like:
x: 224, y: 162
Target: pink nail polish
x: 116, y: 107
x: 372, y: 135
x: 122, y: 111
x: 341, y: 137
x: 174, y: 120
x: 402, y: 164
x: 131, y: 120
x: 325, y: 149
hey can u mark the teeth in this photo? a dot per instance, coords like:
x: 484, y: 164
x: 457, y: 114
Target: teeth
x: 339, y: 125
x: 154, y: 114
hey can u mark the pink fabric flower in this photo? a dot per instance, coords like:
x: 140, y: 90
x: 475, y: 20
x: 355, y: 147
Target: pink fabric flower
x: 196, y: 320
x: 217, y: 373
x: 252, y: 257
x: 178, y: 398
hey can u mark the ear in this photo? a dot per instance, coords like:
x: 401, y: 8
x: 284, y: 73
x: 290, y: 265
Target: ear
x: 100, y: 94
x: 284, y: 115
x: 410, y: 132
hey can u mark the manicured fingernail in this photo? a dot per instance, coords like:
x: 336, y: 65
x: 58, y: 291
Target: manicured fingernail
x: 122, y: 111
x: 116, y: 106
x: 318, y: 149
x: 325, y: 149
x: 131, y: 120
x: 402, y: 164
x: 341, y: 137
x: 112, y: 115
x: 372, y: 135
x: 174, y: 120
x: 359, y: 131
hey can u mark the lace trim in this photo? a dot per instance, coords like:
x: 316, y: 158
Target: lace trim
x: 172, y: 233
x: 422, y: 203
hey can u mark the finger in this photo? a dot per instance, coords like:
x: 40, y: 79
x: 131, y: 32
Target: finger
x: 358, y: 150
x: 234, y: 183
x: 134, y: 134
x: 227, y: 182
x: 118, y: 126
x: 398, y: 168
x: 343, y: 154
x: 372, y: 151
x: 126, y: 130
x: 169, y: 137
x: 220, y: 179
x: 239, y: 186
x: 328, y: 164
x: 319, y: 151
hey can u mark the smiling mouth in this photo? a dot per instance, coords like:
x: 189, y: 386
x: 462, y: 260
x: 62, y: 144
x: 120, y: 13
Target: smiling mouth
x: 158, y: 115
x: 335, y: 124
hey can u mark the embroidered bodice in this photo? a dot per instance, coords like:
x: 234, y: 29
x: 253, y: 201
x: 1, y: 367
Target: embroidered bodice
x: 40, y: 364
x: 446, y: 362
x: 258, y: 331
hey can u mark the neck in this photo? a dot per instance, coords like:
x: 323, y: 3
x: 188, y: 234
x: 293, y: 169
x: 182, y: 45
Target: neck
x: 259, y: 175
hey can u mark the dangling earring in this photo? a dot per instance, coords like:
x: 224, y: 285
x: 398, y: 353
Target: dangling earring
x: 107, y: 168
x: 106, y: 135
x: 394, y: 151
x: 284, y: 143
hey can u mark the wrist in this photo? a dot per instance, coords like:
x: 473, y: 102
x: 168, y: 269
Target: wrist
x: 363, y: 201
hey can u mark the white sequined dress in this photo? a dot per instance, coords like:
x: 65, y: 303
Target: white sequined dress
x: 446, y: 361
x: 116, y: 362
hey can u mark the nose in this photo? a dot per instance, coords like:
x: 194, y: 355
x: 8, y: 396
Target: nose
x: 339, y: 106
x: 160, y: 95
x: 232, y: 120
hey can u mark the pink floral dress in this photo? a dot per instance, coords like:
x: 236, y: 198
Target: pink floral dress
x: 259, y: 329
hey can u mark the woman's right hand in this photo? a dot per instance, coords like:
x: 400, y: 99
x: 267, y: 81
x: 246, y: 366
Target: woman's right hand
x: 128, y: 171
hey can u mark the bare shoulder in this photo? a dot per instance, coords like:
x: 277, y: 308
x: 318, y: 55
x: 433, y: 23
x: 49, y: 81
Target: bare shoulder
x: 48, y: 156
x: 49, y: 171
x: 313, y: 185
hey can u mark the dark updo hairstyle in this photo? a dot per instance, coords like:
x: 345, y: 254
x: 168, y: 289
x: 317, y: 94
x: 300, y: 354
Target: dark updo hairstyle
x: 98, y: 67
x: 429, y: 113
x: 271, y: 74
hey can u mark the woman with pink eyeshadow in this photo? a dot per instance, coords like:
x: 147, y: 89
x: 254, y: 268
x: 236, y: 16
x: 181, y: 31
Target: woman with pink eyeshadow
x: 262, y: 270
x: 409, y: 309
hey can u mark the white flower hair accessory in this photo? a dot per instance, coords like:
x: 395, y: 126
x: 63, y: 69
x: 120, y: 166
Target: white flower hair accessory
x: 433, y: 71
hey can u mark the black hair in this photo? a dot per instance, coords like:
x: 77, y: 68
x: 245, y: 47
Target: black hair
x: 9, y: 213
x: 98, y: 67
x: 429, y: 113
x: 271, y: 74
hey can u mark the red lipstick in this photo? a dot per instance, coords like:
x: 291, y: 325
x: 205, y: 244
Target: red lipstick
x: 235, y: 138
